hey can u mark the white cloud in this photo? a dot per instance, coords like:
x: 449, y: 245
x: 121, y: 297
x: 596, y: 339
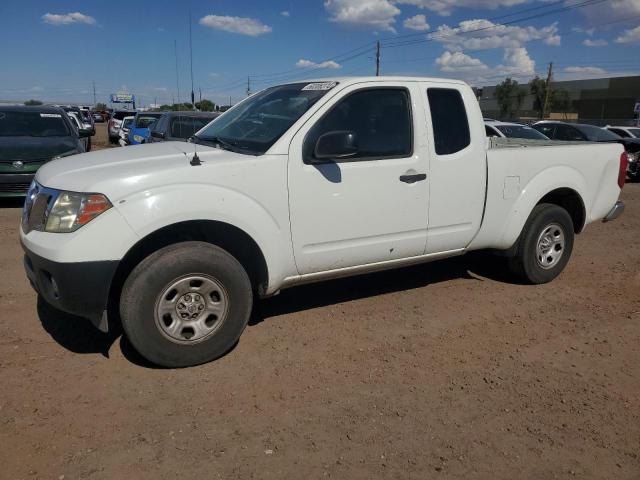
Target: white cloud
x: 459, y: 62
x: 379, y: 14
x: 68, y: 19
x: 285, y: 13
x: 599, y: 42
x: 214, y: 74
x: 588, y: 31
x: 445, y: 7
x: 629, y: 36
x: 417, y: 22
x: 518, y: 63
x: 304, y: 63
x: 585, y: 70
x: 480, y: 34
x: 553, y: 40
x: 241, y: 25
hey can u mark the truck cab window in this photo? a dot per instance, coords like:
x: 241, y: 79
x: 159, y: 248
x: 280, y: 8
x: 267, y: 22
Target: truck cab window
x: 380, y: 119
x: 449, y: 119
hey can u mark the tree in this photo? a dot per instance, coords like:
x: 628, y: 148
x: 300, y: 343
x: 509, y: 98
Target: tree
x: 32, y: 103
x: 101, y: 106
x: 510, y: 97
x: 538, y: 88
x: 206, y: 106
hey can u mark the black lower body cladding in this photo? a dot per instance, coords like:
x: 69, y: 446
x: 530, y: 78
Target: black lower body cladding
x: 79, y: 288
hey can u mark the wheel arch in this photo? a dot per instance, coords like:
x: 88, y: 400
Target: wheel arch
x: 571, y: 201
x: 226, y: 236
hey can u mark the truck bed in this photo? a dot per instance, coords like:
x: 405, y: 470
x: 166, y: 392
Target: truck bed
x: 499, y: 142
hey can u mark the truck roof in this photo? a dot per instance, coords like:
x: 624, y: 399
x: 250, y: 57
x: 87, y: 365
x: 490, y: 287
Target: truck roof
x: 350, y: 80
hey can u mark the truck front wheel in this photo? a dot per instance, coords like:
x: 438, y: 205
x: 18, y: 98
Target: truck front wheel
x: 186, y: 304
x: 545, y: 244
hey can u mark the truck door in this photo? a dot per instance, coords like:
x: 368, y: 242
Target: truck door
x: 458, y: 166
x: 371, y: 204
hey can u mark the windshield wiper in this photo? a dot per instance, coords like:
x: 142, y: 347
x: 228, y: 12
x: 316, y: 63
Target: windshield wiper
x: 224, y: 144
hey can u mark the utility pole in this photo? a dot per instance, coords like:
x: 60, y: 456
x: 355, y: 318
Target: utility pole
x: 200, y: 92
x: 175, y: 49
x: 248, y: 86
x: 193, y: 99
x: 547, y: 90
x: 378, y: 58
x: 229, y: 101
x: 94, y: 93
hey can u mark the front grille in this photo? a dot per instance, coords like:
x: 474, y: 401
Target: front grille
x: 20, y: 187
x: 36, y: 207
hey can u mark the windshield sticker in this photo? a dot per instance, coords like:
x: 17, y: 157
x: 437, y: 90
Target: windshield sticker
x: 50, y: 115
x: 320, y: 86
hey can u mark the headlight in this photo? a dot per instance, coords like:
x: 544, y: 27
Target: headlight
x: 72, y: 210
x: 138, y: 138
x: 633, y: 157
x: 65, y: 154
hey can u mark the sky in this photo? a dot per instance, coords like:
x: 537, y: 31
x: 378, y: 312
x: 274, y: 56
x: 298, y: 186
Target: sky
x: 56, y: 50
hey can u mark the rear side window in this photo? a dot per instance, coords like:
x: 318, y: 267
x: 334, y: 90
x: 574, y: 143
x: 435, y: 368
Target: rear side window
x: 449, y: 119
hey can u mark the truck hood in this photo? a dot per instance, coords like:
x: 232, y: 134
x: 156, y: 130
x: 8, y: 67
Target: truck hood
x: 118, y: 172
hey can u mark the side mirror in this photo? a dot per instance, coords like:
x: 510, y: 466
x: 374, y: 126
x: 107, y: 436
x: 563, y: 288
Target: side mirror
x: 157, y: 134
x: 84, y: 132
x: 335, y: 145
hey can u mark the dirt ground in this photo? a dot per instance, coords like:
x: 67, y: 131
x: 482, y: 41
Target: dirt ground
x: 447, y: 370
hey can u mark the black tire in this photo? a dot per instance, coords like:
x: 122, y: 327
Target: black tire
x: 545, y: 220
x: 634, y: 177
x: 89, y: 145
x: 142, y: 295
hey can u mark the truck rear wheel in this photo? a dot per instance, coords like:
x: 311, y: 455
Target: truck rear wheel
x: 545, y: 244
x: 186, y: 304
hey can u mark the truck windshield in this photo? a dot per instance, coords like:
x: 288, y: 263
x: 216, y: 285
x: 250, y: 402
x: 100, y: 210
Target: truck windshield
x: 255, y: 125
x: 521, y: 131
x: 32, y: 124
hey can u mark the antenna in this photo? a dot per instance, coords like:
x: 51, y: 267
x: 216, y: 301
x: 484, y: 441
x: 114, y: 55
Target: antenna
x: 175, y: 49
x: 193, y: 98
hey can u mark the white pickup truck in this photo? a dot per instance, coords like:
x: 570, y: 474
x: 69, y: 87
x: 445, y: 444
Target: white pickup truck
x: 300, y: 183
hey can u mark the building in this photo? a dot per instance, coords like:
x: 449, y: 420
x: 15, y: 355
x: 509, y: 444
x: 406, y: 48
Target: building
x: 598, y: 101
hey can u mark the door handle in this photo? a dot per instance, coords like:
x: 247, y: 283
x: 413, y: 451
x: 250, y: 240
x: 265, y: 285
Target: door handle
x: 417, y: 177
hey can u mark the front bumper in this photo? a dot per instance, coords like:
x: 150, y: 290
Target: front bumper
x: 615, y: 212
x: 80, y: 288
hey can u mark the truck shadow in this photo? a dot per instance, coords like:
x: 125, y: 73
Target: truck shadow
x: 473, y: 266
x: 80, y: 336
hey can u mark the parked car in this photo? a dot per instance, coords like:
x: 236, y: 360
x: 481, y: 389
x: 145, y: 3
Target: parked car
x: 139, y: 130
x: 29, y: 138
x: 77, y: 123
x: 299, y: 183
x: 115, y: 122
x: 179, y: 126
x: 625, y: 132
x: 85, y: 124
x: 88, y: 119
x: 98, y: 117
x: 124, y: 130
x: 590, y: 133
x: 494, y: 128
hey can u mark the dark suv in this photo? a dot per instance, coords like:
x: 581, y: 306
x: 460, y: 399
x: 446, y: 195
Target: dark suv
x: 30, y: 137
x: 179, y: 126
